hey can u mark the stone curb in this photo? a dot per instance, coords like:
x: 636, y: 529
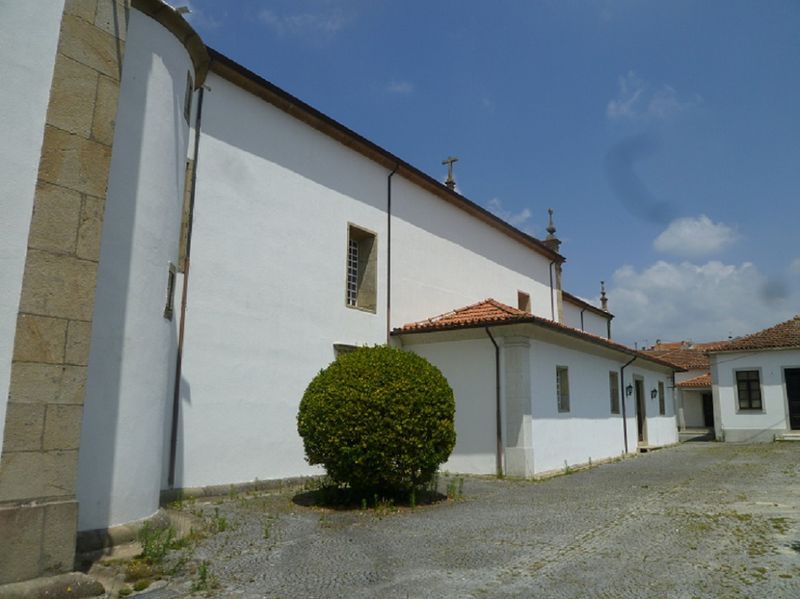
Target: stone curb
x: 74, y: 584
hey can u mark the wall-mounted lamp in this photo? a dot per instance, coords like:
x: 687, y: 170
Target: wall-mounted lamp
x: 629, y: 390
x: 653, y: 393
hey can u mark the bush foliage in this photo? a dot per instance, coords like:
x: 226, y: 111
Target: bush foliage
x: 379, y: 419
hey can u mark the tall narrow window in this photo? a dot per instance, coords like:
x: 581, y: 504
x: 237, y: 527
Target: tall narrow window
x: 562, y: 388
x: 613, y: 390
x: 362, y: 269
x: 169, y: 305
x: 187, y: 98
x: 748, y: 388
x: 662, y: 404
x: 523, y: 301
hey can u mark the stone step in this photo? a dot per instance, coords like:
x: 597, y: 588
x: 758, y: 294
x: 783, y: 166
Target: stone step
x: 788, y: 436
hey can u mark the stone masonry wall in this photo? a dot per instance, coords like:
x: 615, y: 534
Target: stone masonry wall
x: 38, y: 466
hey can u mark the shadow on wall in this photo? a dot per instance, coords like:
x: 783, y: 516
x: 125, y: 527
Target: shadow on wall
x: 246, y: 122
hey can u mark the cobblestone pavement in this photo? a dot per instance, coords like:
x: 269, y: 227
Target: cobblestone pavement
x: 697, y: 520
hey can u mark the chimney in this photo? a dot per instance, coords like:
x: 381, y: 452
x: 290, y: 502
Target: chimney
x: 603, y: 297
x: 551, y: 241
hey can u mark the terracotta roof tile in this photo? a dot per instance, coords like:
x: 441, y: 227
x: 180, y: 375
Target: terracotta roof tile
x: 702, y: 381
x: 783, y: 335
x: 690, y: 359
x: 491, y: 312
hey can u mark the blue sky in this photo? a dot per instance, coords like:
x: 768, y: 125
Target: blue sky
x: 665, y: 135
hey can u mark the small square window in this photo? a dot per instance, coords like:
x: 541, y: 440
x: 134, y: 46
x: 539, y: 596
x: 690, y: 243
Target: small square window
x: 361, y: 285
x: 524, y: 301
x: 662, y: 404
x: 562, y: 388
x: 613, y: 389
x: 748, y: 387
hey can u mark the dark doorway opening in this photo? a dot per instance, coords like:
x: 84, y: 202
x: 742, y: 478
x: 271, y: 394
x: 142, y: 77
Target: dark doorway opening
x: 641, y: 412
x: 792, y: 378
x: 708, y: 410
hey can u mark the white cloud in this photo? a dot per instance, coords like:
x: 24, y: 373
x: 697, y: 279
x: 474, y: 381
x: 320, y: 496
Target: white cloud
x: 794, y: 267
x: 520, y: 220
x: 677, y: 301
x: 303, y: 23
x: 695, y: 236
x: 638, y: 100
x: 400, y: 87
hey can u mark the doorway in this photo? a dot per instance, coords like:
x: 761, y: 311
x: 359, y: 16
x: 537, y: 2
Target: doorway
x: 792, y: 378
x: 641, y: 412
x: 708, y: 410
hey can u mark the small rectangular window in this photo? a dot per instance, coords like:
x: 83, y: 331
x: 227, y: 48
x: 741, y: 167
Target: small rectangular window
x: 361, y: 284
x: 613, y: 389
x: 748, y: 388
x: 168, y: 307
x: 524, y: 301
x: 662, y: 404
x: 187, y: 98
x: 562, y: 388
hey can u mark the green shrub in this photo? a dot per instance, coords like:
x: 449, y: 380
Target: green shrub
x: 379, y: 419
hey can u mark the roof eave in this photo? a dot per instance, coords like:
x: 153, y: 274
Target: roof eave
x: 254, y: 83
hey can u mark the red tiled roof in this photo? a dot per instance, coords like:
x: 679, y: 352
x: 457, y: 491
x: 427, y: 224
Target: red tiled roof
x: 491, y: 312
x: 702, y: 381
x: 690, y: 359
x: 783, y: 335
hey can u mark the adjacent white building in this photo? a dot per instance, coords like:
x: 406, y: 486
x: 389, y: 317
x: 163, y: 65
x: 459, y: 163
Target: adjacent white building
x: 756, y: 385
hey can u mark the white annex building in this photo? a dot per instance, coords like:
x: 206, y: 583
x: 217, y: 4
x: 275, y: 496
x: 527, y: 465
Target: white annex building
x: 184, y: 246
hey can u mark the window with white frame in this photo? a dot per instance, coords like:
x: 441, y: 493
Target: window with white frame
x: 662, y: 404
x: 362, y: 269
x: 613, y: 389
x: 748, y: 389
x: 562, y: 388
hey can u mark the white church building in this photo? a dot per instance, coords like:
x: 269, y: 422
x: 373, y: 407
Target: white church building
x: 184, y: 245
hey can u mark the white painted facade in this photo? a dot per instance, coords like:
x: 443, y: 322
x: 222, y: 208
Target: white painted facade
x: 734, y: 424
x: 132, y: 360
x: 585, y: 320
x: 266, y: 301
x: 690, y: 400
x: 549, y: 439
x: 251, y: 351
x: 26, y: 73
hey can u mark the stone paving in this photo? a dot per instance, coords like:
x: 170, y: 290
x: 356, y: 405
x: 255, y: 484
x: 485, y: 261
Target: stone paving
x: 696, y: 520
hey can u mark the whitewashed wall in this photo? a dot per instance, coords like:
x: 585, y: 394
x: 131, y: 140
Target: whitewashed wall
x: 588, y: 430
x: 592, y: 323
x: 469, y: 367
x: 132, y: 359
x: 693, y: 414
x: 443, y: 258
x: 661, y: 430
x: 734, y: 425
x: 26, y: 73
x: 266, y: 296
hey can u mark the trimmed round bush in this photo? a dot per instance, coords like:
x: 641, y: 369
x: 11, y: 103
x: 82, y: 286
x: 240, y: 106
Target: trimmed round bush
x: 379, y: 419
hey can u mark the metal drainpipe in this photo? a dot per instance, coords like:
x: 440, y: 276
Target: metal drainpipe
x: 176, y: 398
x: 498, y: 421
x: 622, y: 394
x: 389, y: 253
x: 582, y: 311
x: 552, y: 306
x: 608, y: 328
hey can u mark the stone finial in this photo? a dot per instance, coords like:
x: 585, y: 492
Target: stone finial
x: 551, y: 241
x: 603, y: 297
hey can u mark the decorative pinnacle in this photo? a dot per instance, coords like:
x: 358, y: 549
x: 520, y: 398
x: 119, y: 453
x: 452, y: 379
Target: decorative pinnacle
x: 451, y: 183
x: 603, y: 297
x: 551, y: 228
